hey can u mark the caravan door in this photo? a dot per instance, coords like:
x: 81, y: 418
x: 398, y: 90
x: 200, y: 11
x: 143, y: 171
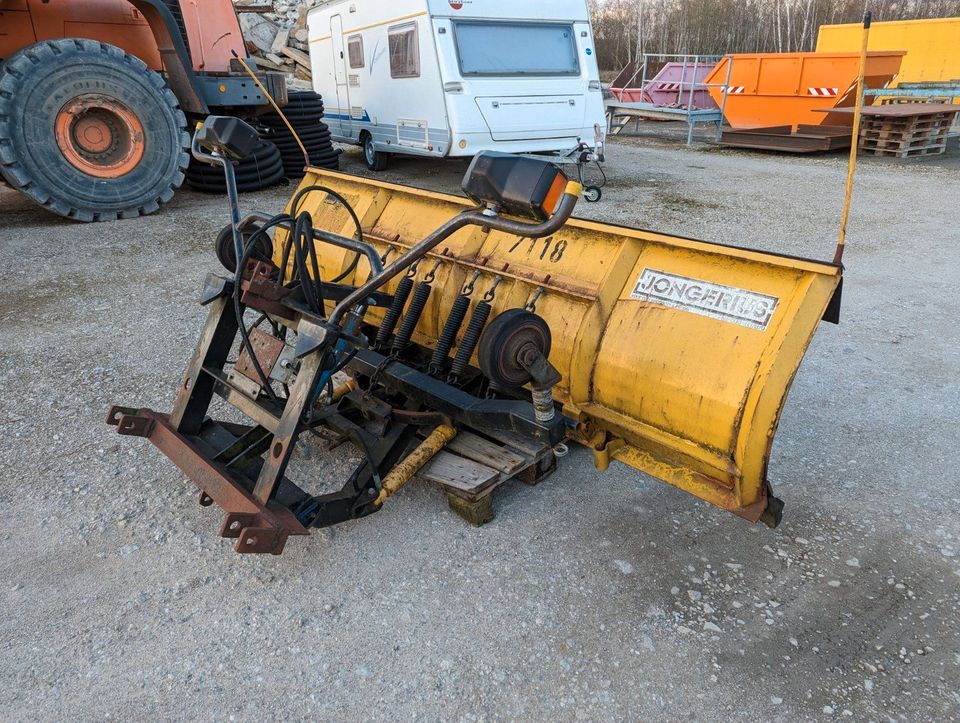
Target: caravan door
x: 340, y: 75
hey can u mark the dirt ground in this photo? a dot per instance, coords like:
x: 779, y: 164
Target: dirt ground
x: 591, y: 596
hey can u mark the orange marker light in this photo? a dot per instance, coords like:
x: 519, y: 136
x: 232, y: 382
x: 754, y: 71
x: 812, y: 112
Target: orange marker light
x: 552, y: 198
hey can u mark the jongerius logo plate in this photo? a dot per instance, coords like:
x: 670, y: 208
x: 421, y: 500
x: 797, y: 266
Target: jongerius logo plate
x: 727, y: 303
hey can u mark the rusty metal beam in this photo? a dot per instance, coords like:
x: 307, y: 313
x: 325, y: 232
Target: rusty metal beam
x: 258, y: 527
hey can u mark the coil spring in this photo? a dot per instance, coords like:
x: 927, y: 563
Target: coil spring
x: 410, y: 319
x: 392, y: 316
x: 449, y: 334
x: 469, y: 340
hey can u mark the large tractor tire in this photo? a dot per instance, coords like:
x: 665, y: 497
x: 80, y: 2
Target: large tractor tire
x: 90, y: 132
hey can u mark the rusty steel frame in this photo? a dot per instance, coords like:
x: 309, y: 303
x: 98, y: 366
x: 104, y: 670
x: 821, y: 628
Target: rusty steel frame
x: 263, y: 507
x: 258, y: 526
x: 254, y: 516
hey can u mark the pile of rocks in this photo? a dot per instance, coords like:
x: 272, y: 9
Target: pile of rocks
x: 276, y: 34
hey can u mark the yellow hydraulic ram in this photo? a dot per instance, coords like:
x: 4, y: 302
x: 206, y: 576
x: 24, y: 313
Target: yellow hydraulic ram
x: 676, y: 355
x: 409, y: 466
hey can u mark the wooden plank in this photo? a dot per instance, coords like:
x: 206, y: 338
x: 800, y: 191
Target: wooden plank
x: 463, y: 474
x: 280, y: 41
x: 269, y: 63
x: 487, y: 453
x: 903, y: 146
x: 917, y: 128
x: 899, y: 110
x: 900, y: 141
x: 908, y: 153
x: 297, y: 55
x: 476, y: 512
x: 529, y: 447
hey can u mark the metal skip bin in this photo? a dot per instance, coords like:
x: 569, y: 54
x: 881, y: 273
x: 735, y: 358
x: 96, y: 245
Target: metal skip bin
x: 680, y: 84
x: 787, y: 89
x: 676, y: 355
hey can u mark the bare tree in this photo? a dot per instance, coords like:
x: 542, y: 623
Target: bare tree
x: 625, y: 29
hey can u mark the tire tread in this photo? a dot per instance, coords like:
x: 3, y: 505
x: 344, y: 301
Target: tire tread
x: 11, y: 77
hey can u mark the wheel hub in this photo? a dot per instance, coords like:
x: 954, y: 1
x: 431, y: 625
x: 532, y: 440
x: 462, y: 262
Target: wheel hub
x: 100, y: 136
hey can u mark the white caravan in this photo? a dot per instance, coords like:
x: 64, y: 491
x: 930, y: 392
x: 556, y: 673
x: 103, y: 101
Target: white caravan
x: 456, y: 77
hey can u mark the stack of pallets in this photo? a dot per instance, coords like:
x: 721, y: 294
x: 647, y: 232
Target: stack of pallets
x: 906, y: 130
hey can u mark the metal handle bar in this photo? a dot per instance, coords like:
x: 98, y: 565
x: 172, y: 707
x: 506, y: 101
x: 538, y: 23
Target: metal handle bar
x: 217, y: 159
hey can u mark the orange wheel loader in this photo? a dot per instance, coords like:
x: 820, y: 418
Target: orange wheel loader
x: 96, y: 97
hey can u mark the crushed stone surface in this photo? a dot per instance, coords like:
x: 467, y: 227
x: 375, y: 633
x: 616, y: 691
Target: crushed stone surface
x: 593, y: 595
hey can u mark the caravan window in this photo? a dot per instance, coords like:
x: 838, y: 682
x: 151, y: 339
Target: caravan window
x: 505, y: 48
x: 404, y: 51
x: 355, y: 51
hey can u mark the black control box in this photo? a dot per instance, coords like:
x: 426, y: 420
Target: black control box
x: 228, y: 136
x: 516, y: 185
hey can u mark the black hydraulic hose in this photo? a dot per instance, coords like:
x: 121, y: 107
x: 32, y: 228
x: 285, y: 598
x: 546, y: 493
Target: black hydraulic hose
x: 300, y: 228
x: 467, y: 218
x: 392, y: 315
x: 304, y: 276
x: 469, y: 341
x: 295, y: 204
x: 314, y: 262
x: 303, y: 240
x: 339, y: 367
x: 300, y: 240
x: 417, y: 304
x: 458, y: 311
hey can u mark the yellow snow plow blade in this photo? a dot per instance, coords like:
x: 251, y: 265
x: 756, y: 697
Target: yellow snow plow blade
x: 676, y: 355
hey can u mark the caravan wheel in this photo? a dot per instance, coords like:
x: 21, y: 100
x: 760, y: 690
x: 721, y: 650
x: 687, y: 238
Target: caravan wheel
x: 592, y: 193
x: 376, y: 161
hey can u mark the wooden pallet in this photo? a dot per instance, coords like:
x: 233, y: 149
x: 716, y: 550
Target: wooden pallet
x: 472, y: 466
x: 909, y: 153
x: 905, y: 131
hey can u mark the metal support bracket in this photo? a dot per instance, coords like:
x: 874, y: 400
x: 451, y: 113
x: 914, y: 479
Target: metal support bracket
x: 258, y: 527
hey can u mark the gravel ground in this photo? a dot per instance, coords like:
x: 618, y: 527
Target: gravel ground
x: 599, y: 596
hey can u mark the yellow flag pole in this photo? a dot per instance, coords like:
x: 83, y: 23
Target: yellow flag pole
x: 283, y: 117
x: 854, y: 142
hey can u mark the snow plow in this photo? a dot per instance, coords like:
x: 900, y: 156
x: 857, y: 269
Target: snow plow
x: 403, y: 320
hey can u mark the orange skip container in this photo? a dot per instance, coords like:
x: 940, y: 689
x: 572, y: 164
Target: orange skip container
x: 779, y: 89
